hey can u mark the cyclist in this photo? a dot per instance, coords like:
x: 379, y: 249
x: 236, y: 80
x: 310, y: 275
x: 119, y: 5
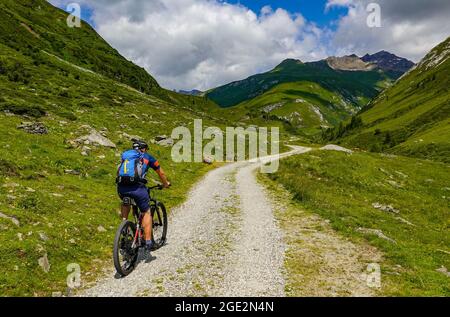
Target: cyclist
x: 134, y: 186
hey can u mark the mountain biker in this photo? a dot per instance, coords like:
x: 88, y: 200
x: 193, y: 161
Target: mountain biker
x: 134, y: 187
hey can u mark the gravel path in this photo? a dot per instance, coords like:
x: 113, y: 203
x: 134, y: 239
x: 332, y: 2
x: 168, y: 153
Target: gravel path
x: 223, y: 241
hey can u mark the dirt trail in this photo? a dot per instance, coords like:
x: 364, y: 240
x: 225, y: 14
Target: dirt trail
x: 223, y: 241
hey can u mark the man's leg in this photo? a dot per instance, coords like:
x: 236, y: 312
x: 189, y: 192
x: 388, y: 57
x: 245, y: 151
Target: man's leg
x: 147, y: 224
x: 125, y: 211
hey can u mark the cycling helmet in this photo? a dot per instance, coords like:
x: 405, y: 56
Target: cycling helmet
x: 139, y: 145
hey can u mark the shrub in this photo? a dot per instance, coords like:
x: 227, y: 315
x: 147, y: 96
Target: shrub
x: 8, y: 169
x: 21, y: 110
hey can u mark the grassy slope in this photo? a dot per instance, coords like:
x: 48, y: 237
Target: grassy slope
x: 330, y: 104
x: 40, y: 26
x: 415, y: 113
x: 33, y: 185
x: 342, y: 188
x: 351, y: 85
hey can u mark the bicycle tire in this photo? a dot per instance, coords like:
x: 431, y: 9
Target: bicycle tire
x: 159, y: 219
x: 124, y: 227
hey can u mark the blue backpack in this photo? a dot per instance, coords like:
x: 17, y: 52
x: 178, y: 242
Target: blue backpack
x: 130, y: 170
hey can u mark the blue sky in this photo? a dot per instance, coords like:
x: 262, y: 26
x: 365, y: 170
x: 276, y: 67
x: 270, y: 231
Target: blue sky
x: 312, y: 10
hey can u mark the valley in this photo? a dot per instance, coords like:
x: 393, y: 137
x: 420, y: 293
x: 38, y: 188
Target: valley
x: 377, y: 194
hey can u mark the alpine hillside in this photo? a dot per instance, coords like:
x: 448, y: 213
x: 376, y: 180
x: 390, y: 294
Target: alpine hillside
x: 308, y: 96
x: 70, y: 104
x: 412, y: 117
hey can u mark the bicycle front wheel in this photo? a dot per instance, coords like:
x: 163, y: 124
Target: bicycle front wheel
x: 159, y: 231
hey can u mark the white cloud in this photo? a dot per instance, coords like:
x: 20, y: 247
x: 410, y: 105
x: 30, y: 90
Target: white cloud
x: 410, y: 28
x: 202, y: 44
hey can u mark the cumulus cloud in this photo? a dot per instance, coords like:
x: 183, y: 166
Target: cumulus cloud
x: 202, y: 44
x: 410, y: 28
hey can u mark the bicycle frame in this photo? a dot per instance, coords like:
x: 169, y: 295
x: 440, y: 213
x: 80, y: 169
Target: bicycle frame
x: 138, y: 219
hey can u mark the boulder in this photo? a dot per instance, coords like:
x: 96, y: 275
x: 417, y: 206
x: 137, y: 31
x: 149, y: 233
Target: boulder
x: 160, y: 138
x: 387, y: 208
x: 12, y: 219
x: 33, y: 127
x: 44, y: 263
x: 208, y: 160
x: 72, y: 172
x: 376, y: 232
x: 95, y: 138
x: 166, y: 142
x: 332, y: 147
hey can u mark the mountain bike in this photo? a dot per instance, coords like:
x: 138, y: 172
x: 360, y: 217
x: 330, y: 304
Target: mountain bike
x: 129, y: 237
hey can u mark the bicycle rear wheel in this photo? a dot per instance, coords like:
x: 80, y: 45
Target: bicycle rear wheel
x: 124, y: 255
x: 159, y: 232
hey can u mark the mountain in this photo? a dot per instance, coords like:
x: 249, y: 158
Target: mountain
x: 305, y: 96
x: 193, y: 92
x: 353, y: 86
x: 69, y: 105
x: 389, y: 62
x: 412, y: 117
x: 349, y: 63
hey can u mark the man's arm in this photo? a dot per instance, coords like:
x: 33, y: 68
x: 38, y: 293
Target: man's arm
x: 162, y: 177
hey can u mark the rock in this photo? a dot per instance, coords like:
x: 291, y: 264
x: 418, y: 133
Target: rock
x: 95, y: 138
x: 166, y: 142
x: 11, y: 185
x: 387, y: 208
x: 13, y: 219
x: 401, y: 174
x: 443, y: 270
x: 84, y: 153
x: 101, y: 157
x: 72, y: 241
x: 71, y: 172
x: 160, y: 138
x: 101, y: 229
x: 11, y: 197
x: 30, y: 190
x: 376, y: 232
x: 56, y: 294
x: 44, y: 263
x: 130, y: 137
x: 43, y: 236
x: 208, y: 160
x: 405, y: 221
x: 20, y: 236
x: 394, y: 184
x: 332, y: 147
x: 33, y: 127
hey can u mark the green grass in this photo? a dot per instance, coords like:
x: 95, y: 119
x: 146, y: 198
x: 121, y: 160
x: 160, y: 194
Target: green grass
x: 412, y: 117
x: 353, y: 86
x: 342, y: 188
x: 297, y: 98
x: 53, y: 82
